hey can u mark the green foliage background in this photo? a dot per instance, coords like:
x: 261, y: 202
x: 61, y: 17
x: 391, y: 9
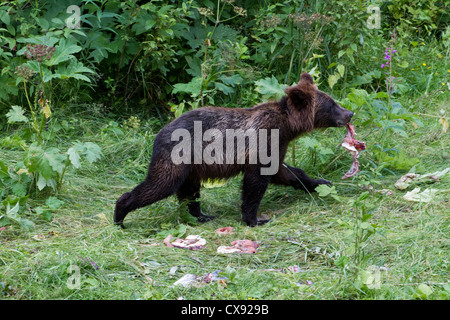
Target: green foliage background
x: 140, y: 51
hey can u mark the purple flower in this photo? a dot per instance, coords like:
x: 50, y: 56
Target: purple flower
x: 88, y: 261
x: 388, y: 55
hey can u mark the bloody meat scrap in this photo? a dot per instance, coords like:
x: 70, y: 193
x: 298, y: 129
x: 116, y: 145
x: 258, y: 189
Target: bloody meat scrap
x: 353, y: 146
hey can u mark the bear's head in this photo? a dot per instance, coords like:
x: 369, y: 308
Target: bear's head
x: 315, y: 108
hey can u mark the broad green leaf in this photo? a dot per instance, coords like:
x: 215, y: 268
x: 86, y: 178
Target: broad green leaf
x: 143, y: 24
x: 54, y: 203
x: 47, y: 75
x: 349, y: 52
x: 4, y: 221
x: 325, y: 190
x: 79, y: 77
x: 341, y: 69
x: 423, y: 291
x: 74, y: 157
x: 64, y: 51
x: 194, y: 87
x: 92, y: 152
x: 91, y: 282
x: 270, y: 88
x: 74, y: 70
x: 13, y: 142
x: 381, y: 94
x: 19, y: 189
x: 224, y: 88
x: 3, y: 170
x: 54, y: 159
x: 177, y: 109
x: 194, y: 64
x: 309, y: 142
x: 11, y: 200
x: 403, y: 64
x: 331, y: 65
x: 47, y: 40
x: 16, y: 114
x: 358, y: 96
x: 364, y: 225
x: 333, y: 79
x: 45, y: 213
x: 4, y: 17
x: 49, y: 163
x: 34, y: 65
x: 41, y: 182
x: 233, y: 80
x: 363, y: 196
x: 26, y: 224
x: 350, y: 250
x: 12, y: 213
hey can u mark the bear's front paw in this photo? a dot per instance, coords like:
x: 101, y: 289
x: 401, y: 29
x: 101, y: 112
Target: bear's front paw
x: 323, y: 181
x: 311, y: 187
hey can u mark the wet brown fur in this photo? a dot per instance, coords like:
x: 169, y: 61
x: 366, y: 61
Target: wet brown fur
x: 303, y: 109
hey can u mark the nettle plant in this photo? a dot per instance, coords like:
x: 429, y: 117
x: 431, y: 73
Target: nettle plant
x: 49, y: 61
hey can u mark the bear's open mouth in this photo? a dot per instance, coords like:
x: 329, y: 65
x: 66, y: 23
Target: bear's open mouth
x: 341, y: 123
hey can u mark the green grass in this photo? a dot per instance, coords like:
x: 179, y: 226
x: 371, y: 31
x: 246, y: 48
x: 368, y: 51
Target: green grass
x: 411, y: 244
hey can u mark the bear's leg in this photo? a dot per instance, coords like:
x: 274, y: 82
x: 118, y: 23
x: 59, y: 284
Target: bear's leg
x: 253, y: 189
x: 190, y: 191
x: 297, y: 178
x: 159, y: 184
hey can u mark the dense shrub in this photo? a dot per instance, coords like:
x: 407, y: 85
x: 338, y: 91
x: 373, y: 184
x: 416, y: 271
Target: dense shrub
x: 143, y: 54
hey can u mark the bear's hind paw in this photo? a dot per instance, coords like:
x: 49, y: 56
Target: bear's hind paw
x: 205, y: 218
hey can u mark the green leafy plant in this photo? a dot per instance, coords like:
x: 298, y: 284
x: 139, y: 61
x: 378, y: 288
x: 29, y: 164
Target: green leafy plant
x: 51, y: 204
x: 317, y: 151
x: 327, y: 191
x: 359, y: 230
x: 176, y: 232
x: 218, y: 62
x: 270, y: 89
x: 12, y: 216
x: 424, y: 16
x: 43, y: 165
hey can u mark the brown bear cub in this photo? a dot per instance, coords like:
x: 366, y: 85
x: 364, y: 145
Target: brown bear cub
x: 214, y: 142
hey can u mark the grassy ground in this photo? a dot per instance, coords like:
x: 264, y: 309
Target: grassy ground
x: 406, y: 258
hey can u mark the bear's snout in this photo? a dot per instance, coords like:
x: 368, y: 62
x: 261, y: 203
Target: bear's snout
x: 349, y: 117
x: 344, y: 117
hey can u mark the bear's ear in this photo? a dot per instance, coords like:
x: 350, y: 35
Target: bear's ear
x: 306, y: 77
x: 302, y: 94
